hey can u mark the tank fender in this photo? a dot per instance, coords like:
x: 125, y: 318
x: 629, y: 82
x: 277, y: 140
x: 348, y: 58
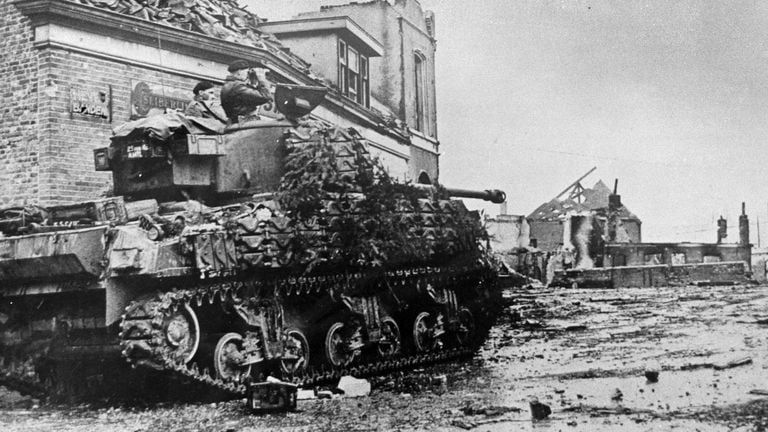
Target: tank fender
x: 54, y: 255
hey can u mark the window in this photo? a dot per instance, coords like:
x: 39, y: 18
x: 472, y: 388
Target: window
x: 418, y: 89
x: 424, y: 178
x: 365, y: 87
x: 343, y: 67
x: 353, y: 76
x: 354, y: 80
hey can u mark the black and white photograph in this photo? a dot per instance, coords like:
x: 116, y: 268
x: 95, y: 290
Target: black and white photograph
x: 383, y: 215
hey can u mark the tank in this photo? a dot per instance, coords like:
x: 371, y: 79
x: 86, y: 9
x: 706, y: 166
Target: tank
x: 228, y: 255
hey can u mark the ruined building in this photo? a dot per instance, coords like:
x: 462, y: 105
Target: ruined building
x: 554, y: 222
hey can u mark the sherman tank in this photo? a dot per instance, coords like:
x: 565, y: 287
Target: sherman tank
x: 231, y: 254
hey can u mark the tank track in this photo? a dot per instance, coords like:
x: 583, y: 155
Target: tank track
x: 143, y: 339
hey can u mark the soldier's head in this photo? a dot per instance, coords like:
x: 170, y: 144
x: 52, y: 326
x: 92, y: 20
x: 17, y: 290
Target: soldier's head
x: 204, y: 90
x: 239, y: 69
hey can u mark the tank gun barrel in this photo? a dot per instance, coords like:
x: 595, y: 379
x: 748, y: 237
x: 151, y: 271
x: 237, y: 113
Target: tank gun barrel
x: 493, y: 195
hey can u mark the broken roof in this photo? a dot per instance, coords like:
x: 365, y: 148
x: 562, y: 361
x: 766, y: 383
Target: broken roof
x: 222, y: 19
x: 594, y: 199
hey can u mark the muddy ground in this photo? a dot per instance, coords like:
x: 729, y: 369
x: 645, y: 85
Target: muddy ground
x: 583, y: 353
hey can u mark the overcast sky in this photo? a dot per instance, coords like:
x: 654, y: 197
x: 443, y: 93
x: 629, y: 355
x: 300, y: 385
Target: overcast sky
x: 671, y: 98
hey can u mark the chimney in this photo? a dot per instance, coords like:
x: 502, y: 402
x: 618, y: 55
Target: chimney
x: 743, y: 226
x: 503, y: 208
x: 614, y: 199
x: 722, y: 229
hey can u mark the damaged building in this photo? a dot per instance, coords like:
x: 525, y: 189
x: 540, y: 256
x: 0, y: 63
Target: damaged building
x: 574, y: 211
x: 602, y: 248
x: 587, y: 237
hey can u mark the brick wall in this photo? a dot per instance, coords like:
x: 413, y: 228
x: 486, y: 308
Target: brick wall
x: 67, y: 172
x: 19, y: 128
x: 47, y: 153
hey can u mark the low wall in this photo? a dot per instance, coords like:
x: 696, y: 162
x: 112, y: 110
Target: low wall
x: 656, y: 275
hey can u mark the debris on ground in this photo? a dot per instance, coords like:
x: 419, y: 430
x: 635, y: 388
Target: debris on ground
x: 598, y: 411
x: 617, y: 395
x: 303, y: 394
x: 539, y: 411
x: 272, y: 395
x: 354, y: 387
x: 464, y: 424
x: 472, y: 408
x: 652, y: 375
x: 717, y: 366
x: 733, y: 363
x: 440, y: 384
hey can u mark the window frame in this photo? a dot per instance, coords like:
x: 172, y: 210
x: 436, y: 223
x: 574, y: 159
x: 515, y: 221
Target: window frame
x: 420, y: 90
x: 353, y: 81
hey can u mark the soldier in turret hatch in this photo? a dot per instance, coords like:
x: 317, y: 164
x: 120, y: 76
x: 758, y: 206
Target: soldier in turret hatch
x: 245, y: 89
x: 206, y: 103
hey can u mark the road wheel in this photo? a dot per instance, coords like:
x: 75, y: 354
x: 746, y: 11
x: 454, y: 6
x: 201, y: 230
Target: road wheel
x: 337, y: 345
x: 466, y: 331
x: 228, y: 358
x: 295, y: 356
x: 424, y: 332
x: 182, y: 333
x: 390, y: 342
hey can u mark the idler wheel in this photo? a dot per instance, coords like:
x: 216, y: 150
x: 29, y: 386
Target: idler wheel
x: 338, y: 347
x: 295, y: 357
x: 228, y: 358
x: 390, y: 342
x: 182, y: 333
x: 466, y: 330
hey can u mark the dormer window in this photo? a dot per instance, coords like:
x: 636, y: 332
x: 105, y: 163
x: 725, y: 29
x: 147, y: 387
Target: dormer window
x: 353, y: 74
x: 316, y: 38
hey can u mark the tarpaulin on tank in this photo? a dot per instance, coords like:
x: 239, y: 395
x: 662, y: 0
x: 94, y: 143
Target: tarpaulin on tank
x: 162, y: 126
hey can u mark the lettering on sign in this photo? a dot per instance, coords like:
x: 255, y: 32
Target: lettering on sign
x: 149, y: 99
x: 91, y: 103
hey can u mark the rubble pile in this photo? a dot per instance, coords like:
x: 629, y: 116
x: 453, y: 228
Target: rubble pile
x: 222, y: 19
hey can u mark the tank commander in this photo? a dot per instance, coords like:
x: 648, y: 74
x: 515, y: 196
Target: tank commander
x: 244, y: 91
x: 206, y: 103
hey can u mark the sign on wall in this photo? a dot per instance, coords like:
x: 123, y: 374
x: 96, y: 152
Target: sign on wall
x: 91, y: 102
x: 150, y: 98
